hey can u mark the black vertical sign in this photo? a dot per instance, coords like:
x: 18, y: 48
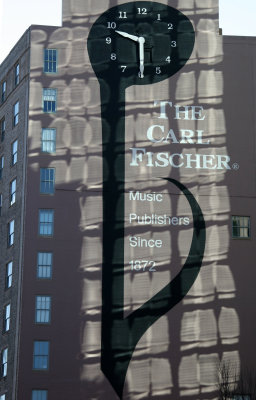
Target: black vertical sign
x: 117, y: 62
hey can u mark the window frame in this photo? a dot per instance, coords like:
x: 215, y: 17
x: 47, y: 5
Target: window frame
x: 47, y: 181
x: 10, y: 232
x: 13, y: 191
x: 3, y: 128
x: 1, y: 203
x: 16, y: 74
x: 50, y: 105
x: 44, y: 270
x: 4, y: 362
x: 46, y: 223
x: 47, y: 143
x: 241, y: 228
x: 8, y: 276
x: 40, y: 358
x: 39, y: 396
x: 16, y: 112
x: 43, y: 309
x: 6, y: 317
x: 1, y: 165
x: 47, y: 62
x: 3, y: 91
x: 14, y: 152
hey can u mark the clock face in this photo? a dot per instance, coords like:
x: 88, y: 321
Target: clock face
x: 140, y: 43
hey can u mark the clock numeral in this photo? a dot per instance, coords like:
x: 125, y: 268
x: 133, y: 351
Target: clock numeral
x: 158, y: 17
x: 108, y: 40
x: 112, y: 25
x: 123, y: 67
x: 142, y: 11
x: 158, y: 70
x: 122, y: 14
x: 170, y: 26
x: 174, y: 43
x: 168, y: 59
x: 113, y: 56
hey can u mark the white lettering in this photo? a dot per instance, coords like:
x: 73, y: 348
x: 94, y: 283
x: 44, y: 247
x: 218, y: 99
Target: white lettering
x: 178, y: 112
x: 223, y: 162
x: 163, y: 160
x: 150, y: 133
x: 138, y: 196
x: 186, y: 135
x: 137, y: 157
x: 172, y: 163
x: 163, y: 108
x: 199, y: 161
x: 196, y: 113
x: 155, y: 219
x: 137, y: 241
x: 156, y: 134
x: 200, y: 138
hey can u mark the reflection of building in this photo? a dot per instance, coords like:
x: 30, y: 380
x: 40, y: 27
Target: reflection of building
x: 51, y: 218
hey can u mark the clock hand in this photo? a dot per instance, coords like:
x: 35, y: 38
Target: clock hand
x: 127, y: 35
x: 141, y: 51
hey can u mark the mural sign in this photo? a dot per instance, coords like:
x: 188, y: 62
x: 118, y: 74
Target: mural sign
x: 141, y: 43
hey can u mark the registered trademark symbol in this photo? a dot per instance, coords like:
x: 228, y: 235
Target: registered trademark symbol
x: 235, y: 166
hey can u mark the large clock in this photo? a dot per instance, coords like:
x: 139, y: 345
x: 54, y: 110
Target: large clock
x: 140, y: 42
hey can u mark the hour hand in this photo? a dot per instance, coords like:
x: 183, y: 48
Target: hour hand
x: 127, y: 35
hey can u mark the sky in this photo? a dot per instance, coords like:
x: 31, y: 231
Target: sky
x: 237, y: 17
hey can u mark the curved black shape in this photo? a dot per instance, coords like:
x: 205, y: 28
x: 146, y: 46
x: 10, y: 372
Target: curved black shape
x: 119, y: 335
x: 127, y: 332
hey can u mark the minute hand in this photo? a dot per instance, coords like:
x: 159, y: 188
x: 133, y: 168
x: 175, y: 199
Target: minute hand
x: 141, y: 52
x: 127, y: 35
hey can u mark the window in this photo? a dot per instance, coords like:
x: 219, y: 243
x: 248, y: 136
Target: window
x: 3, y: 92
x: 241, y: 397
x: 50, y: 60
x: 14, y: 152
x: 4, y: 359
x: 48, y: 144
x: 41, y: 355
x: 44, y: 265
x: 10, y: 238
x: 47, y: 179
x: 2, y: 127
x: 240, y: 227
x: 7, y: 317
x: 1, y: 204
x: 39, y: 395
x: 8, y: 275
x: 13, y: 191
x: 16, y: 108
x: 1, y: 166
x: 46, y: 222
x: 43, y: 309
x: 2, y: 397
x: 17, y: 74
x: 49, y: 100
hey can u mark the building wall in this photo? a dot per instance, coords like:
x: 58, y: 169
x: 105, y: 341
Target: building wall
x: 239, y: 85
x: 177, y: 356
x: 19, y: 92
